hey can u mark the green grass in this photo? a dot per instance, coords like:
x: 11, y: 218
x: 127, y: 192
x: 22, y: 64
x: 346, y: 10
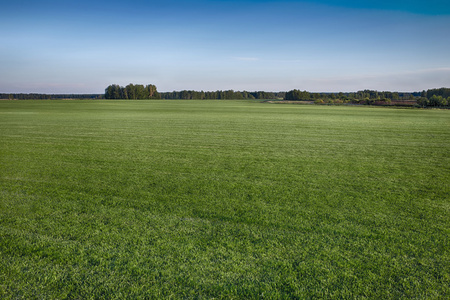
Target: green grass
x: 222, y: 199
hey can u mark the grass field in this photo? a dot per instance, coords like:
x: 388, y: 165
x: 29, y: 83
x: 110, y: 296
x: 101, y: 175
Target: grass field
x: 223, y: 199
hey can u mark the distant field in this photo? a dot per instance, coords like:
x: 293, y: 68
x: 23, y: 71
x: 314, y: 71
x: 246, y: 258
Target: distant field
x: 223, y: 199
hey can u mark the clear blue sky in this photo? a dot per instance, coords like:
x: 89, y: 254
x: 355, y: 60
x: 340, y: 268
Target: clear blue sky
x: 83, y: 46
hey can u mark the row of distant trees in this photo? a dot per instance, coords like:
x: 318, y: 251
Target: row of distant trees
x: 138, y: 91
x: 132, y: 91
x: 434, y: 101
x: 360, y: 95
x: 430, y: 98
x: 435, y: 98
x: 222, y: 95
x: 35, y: 96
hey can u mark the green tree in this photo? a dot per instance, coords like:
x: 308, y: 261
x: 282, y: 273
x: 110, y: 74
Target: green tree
x: 297, y: 95
x: 131, y: 91
x: 140, y: 92
x: 116, y: 92
x: 422, y: 101
x: 112, y: 92
x: 437, y: 101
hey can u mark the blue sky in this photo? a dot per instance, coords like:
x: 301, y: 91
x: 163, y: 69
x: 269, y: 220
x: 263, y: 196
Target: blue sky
x: 83, y: 46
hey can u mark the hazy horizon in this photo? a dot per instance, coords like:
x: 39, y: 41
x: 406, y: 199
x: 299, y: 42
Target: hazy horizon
x: 59, y: 47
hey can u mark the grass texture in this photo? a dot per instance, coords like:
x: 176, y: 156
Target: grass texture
x: 222, y: 199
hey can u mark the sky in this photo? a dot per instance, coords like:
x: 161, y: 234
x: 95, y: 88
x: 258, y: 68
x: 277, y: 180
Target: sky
x: 83, y: 46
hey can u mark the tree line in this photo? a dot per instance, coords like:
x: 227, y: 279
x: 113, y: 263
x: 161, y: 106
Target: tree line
x: 132, y: 91
x: 360, y: 95
x: 35, y: 96
x: 430, y: 98
x: 435, y: 98
x: 139, y: 91
x: 222, y: 95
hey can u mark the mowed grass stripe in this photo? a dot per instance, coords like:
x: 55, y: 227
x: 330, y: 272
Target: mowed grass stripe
x: 222, y: 199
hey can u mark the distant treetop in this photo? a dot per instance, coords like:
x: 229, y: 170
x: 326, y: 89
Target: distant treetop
x: 132, y: 91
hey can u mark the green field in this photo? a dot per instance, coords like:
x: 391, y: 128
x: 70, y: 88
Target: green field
x: 223, y: 199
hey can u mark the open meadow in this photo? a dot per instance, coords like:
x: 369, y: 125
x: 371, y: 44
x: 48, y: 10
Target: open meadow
x: 222, y: 199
